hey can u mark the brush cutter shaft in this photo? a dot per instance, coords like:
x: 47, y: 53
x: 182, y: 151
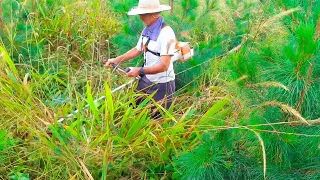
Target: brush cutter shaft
x: 96, y: 101
x: 116, y: 67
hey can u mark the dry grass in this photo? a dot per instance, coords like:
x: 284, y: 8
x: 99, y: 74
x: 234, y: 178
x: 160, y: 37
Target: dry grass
x: 287, y: 109
x: 275, y: 18
x: 270, y: 84
x: 264, y: 154
x: 85, y: 170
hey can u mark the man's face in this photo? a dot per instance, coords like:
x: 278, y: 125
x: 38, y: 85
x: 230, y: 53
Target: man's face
x: 145, y: 18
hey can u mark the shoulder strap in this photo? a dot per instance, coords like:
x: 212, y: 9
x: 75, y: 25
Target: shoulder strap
x: 164, y: 25
x: 146, y: 49
x: 147, y: 43
x: 145, y: 46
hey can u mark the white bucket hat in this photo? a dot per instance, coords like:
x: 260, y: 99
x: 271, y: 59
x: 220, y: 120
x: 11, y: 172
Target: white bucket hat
x: 148, y: 6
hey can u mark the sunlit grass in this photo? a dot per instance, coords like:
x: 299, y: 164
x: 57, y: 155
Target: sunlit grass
x: 239, y: 113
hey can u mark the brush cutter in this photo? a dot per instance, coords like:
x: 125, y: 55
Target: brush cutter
x: 117, y: 68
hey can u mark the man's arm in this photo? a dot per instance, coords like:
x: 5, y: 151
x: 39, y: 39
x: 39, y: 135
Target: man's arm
x: 133, y: 53
x: 161, y: 67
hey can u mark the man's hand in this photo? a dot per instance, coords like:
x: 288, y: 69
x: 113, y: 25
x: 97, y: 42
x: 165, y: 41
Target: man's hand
x: 107, y: 62
x: 134, y: 72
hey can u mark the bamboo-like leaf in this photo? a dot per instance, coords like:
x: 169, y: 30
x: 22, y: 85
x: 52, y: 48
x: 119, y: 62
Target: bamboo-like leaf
x: 124, y: 121
x: 109, y: 108
x: 142, y: 137
x: 96, y: 142
x: 137, y: 124
x: 166, y: 113
x: 207, y: 117
x: 91, y: 103
x: 146, y: 101
x: 174, y: 130
x: 4, y: 56
x: 50, y: 144
x: 56, y: 133
x: 119, y: 139
x: 73, y: 132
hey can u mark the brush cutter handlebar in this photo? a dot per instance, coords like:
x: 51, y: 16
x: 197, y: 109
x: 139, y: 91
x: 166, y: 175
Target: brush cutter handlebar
x: 116, y: 67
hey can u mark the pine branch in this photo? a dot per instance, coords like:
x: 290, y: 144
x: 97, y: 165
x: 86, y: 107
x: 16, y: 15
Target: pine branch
x: 317, y: 29
x: 309, y: 11
x: 306, y: 88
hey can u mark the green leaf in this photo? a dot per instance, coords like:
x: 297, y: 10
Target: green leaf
x: 137, y: 124
x: 208, y: 117
x: 124, y: 121
x: 91, y: 103
x: 4, y: 56
x: 110, y: 106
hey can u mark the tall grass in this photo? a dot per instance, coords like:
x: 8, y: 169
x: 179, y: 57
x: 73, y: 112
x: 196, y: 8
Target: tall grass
x: 244, y: 115
x: 106, y: 141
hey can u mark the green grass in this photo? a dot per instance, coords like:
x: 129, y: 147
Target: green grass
x: 238, y: 115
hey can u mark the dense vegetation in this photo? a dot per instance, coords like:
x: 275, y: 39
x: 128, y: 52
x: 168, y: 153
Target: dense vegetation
x: 247, y: 105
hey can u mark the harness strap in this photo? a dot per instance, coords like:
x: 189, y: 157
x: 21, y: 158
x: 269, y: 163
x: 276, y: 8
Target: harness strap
x: 145, y: 48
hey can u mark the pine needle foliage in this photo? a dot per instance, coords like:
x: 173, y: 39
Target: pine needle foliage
x: 240, y: 114
x: 292, y: 61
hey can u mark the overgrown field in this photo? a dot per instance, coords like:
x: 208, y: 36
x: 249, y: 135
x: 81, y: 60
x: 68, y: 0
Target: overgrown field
x: 247, y: 105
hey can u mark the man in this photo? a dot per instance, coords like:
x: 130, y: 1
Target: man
x: 157, y: 74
